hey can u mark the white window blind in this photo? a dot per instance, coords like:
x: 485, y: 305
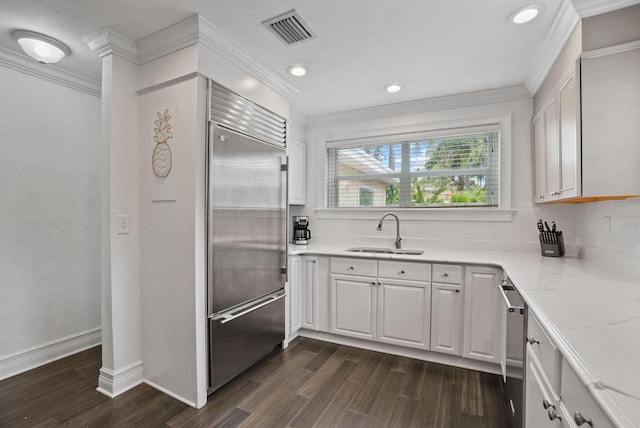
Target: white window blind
x: 459, y: 170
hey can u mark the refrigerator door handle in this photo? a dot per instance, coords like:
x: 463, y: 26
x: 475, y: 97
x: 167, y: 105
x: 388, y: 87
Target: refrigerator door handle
x: 225, y: 317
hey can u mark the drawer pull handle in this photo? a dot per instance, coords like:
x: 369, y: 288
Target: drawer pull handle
x: 533, y: 341
x: 351, y: 268
x: 581, y: 420
x: 553, y: 415
x: 547, y: 405
x: 402, y: 272
x: 445, y: 274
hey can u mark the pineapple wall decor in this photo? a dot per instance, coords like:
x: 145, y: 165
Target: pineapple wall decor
x: 161, y: 157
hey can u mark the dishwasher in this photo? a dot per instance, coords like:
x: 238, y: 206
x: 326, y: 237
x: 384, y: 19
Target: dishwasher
x: 513, y: 324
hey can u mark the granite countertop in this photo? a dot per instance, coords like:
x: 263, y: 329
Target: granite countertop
x: 590, y: 309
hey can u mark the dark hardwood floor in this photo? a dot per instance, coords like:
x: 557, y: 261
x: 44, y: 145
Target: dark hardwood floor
x: 311, y: 383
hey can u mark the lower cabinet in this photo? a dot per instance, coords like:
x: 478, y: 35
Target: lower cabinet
x: 353, y: 306
x: 294, y: 296
x: 481, y: 313
x: 446, y: 318
x: 392, y: 310
x: 404, y: 313
x: 543, y: 408
x: 310, y: 293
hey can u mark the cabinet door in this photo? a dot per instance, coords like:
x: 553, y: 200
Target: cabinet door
x: 446, y: 318
x: 297, y: 152
x: 404, y: 309
x: 481, y: 341
x: 536, y: 415
x: 552, y: 153
x: 353, y: 306
x: 309, y: 305
x: 539, y: 158
x: 568, y: 145
x: 294, y: 306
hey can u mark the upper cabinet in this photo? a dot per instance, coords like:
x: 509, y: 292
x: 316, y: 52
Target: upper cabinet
x: 585, y: 129
x: 297, y: 152
x: 556, y: 145
x: 611, y: 121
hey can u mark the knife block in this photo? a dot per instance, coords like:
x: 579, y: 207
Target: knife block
x: 552, y: 244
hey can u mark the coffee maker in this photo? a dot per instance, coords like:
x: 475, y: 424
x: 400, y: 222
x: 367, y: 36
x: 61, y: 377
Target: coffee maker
x: 301, y: 233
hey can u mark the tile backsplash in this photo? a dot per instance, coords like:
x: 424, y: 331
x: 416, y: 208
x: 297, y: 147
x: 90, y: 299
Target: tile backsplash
x: 613, y: 226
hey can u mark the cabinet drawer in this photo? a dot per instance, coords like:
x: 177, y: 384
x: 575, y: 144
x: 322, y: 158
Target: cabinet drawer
x: 361, y: 267
x: 579, y: 400
x: 448, y: 274
x: 405, y: 270
x: 545, y: 351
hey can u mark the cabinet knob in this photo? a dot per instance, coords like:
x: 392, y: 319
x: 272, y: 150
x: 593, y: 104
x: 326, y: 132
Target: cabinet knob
x: 351, y: 268
x: 532, y: 341
x: 373, y: 283
x: 581, y: 420
x: 547, y: 405
x: 553, y: 415
x: 540, y: 196
x: 402, y: 272
x: 457, y: 291
x: 555, y: 193
x: 445, y: 274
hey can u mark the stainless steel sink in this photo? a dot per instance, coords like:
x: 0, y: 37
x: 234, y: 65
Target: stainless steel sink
x: 380, y: 250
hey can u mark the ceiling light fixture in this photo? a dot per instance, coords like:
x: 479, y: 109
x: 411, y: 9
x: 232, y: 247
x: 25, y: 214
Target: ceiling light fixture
x: 297, y: 70
x: 525, y: 14
x: 44, y: 49
x: 393, y: 87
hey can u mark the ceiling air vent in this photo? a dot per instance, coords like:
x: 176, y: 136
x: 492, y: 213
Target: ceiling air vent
x: 290, y: 27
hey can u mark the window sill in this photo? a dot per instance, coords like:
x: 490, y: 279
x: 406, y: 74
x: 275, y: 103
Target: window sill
x: 426, y: 214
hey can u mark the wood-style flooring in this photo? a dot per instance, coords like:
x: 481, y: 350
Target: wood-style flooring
x: 311, y: 383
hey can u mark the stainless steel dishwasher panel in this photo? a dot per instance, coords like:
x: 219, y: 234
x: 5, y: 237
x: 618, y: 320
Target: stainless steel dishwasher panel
x: 242, y: 336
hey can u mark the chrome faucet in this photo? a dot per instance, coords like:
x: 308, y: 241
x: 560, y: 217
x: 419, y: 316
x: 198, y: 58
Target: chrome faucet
x: 398, y: 238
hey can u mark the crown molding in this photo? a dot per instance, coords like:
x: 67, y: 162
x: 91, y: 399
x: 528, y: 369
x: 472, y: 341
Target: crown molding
x: 168, y: 40
x: 180, y: 35
x: 51, y: 73
x: 469, y: 99
x: 214, y: 39
x: 587, y: 8
x: 106, y: 42
x: 561, y: 30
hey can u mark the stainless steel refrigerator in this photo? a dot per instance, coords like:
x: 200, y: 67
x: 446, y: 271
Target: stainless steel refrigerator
x: 246, y: 247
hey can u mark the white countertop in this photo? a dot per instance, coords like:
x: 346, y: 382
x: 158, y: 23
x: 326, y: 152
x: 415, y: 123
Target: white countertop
x: 592, y: 312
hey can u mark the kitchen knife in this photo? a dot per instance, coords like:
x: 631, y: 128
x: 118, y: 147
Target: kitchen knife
x: 553, y: 226
x: 540, y: 228
x: 546, y: 225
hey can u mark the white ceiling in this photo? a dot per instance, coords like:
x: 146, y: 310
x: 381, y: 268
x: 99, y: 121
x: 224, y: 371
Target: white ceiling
x: 432, y: 47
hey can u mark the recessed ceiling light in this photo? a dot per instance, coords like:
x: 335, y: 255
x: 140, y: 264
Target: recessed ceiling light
x: 297, y: 70
x: 525, y: 14
x: 44, y: 49
x: 393, y: 87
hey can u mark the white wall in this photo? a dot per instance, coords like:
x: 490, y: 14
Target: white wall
x: 50, y: 211
x: 424, y: 229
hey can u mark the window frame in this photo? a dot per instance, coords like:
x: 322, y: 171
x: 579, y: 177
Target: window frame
x: 502, y: 212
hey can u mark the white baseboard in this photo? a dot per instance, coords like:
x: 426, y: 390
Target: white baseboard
x: 171, y: 394
x: 434, y: 357
x: 20, y: 362
x: 112, y: 383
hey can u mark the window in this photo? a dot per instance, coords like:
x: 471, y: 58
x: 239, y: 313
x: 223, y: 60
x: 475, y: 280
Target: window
x: 443, y: 169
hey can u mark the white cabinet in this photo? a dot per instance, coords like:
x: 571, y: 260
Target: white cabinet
x: 610, y: 88
x: 481, y: 315
x: 353, y: 306
x: 446, y: 309
x: 383, y: 301
x: 310, y: 293
x: 543, y: 408
x: 556, y: 144
x: 293, y: 311
x: 404, y: 312
x: 297, y: 152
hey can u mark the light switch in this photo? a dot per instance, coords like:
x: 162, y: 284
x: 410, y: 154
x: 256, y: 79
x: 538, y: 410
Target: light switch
x: 123, y: 225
